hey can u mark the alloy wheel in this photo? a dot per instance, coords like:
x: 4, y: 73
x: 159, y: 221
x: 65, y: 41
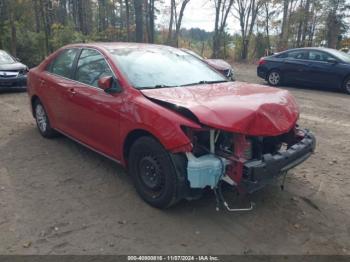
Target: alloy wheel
x: 274, y: 78
x: 41, y: 117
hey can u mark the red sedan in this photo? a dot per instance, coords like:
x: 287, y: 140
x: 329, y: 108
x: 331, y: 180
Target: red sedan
x: 176, y: 124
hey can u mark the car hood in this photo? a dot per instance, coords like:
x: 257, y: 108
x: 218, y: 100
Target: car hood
x: 237, y: 107
x: 218, y: 64
x: 13, y: 66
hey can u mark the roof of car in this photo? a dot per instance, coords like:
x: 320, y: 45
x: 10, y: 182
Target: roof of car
x: 119, y: 45
x: 310, y: 48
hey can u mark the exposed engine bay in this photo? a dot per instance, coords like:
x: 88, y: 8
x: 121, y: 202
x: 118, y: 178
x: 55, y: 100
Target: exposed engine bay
x: 243, y: 161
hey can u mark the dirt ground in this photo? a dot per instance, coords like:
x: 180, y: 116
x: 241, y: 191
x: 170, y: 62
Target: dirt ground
x: 57, y: 197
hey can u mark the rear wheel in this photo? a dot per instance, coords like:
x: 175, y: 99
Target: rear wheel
x: 346, y: 85
x: 153, y: 173
x: 274, y: 78
x: 42, y: 120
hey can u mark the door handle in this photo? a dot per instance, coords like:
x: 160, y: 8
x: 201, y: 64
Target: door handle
x: 72, y: 92
x: 42, y: 83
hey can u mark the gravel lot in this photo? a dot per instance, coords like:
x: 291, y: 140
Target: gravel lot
x: 57, y: 197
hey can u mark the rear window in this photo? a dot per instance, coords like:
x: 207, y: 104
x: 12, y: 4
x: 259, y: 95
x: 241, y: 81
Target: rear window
x: 299, y: 54
x: 63, y: 63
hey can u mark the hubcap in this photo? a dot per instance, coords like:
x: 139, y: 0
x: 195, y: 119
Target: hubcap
x: 150, y: 173
x: 347, y: 86
x: 274, y: 78
x: 41, y: 118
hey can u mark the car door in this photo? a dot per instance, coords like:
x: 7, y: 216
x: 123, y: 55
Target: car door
x: 94, y: 114
x: 55, y: 87
x: 295, y: 66
x: 323, y: 68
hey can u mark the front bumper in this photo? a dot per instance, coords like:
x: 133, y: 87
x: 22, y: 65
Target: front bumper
x: 258, y: 173
x: 12, y: 82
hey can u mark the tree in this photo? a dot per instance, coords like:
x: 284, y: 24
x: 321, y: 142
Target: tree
x: 127, y: 11
x: 176, y: 20
x: 247, y: 11
x: 222, y: 9
x: 138, y: 5
x: 335, y: 20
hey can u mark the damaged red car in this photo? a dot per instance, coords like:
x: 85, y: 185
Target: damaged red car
x: 176, y: 124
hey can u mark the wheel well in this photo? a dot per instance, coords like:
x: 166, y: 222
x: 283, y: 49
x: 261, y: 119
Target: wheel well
x: 131, y: 138
x: 32, y: 102
x: 344, y: 79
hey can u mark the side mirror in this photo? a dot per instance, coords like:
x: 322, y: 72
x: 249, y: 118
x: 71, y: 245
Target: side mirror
x: 109, y: 84
x: 332, y: 60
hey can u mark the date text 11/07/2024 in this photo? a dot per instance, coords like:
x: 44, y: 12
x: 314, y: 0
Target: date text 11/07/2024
x: 173, y: 258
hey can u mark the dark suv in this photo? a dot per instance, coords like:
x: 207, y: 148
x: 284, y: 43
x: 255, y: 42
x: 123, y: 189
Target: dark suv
x: 13, y: 74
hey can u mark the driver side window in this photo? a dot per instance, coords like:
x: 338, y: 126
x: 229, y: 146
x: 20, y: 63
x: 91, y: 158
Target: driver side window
x: 91, y: 67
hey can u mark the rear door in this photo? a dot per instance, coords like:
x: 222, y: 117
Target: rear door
x: 94, y: 114
x: 55, y: 86
x: 295, y: 65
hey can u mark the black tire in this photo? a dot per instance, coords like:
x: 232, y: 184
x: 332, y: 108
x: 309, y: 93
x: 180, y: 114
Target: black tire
x: 153, y: 173
x: 346, y: 85
x: 274, y: 78
x: 42, y: 120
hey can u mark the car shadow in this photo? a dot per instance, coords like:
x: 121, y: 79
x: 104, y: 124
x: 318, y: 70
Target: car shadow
x: 6, y: 90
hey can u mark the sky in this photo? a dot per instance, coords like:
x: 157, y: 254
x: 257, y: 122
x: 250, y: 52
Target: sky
x: 201, y: 14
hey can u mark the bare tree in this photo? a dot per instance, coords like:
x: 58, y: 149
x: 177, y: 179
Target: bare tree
x: 222, y: 10
x: 176, y: 20
x: 246, y: 13
x: 179, y: 21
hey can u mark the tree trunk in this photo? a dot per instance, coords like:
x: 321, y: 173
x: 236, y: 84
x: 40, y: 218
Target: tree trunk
x: 13, y: 30
x: 284, y: 32
x: 216, y: 38
x: 179, y: 21
x: 138, y: 5
x: 306, y: 22
x: 127, y: 11
x: 37, y: 16
x: 172, y: 14
x: 151, y: 10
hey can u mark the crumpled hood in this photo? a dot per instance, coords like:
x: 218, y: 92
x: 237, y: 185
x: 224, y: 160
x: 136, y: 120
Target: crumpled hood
x: 238, y: 107
x: 218, y: 64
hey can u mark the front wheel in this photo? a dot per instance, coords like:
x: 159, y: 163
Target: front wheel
x: 346, y: 85
x: 153, y: 173
x: 274, y: 78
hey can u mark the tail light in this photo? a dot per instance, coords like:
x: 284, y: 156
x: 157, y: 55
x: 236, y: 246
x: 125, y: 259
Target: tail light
x: 262, y: 61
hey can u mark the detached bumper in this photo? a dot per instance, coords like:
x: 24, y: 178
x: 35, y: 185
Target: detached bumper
x: 258, y: 173
x: 13, y: 82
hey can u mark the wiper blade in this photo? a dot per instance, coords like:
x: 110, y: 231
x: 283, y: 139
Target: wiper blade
x: 154, y: 87
x: 205, y: 82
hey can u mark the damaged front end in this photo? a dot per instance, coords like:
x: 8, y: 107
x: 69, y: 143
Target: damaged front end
x: 245, y: 162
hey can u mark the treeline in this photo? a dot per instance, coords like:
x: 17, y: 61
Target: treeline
x: 31, y: 29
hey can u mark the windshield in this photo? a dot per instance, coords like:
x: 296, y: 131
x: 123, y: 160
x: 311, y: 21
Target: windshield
x: 341, y: 55
x: 5, y: 58
x: 163, y: 67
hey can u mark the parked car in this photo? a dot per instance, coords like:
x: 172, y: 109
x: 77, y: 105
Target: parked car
x: 321, y: 67
x: 218, y: 64
x: 176, y: 124
x: 13, y: 74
